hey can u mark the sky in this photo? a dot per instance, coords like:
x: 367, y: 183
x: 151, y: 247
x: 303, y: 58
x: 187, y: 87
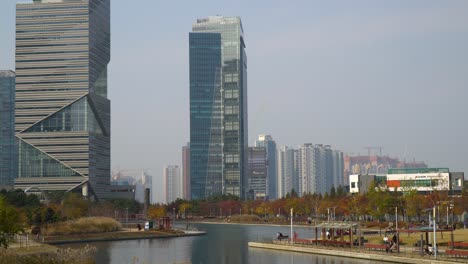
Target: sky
x: 351, y: 74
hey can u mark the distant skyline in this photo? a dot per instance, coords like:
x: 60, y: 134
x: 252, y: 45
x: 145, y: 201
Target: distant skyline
x: 346, y: 73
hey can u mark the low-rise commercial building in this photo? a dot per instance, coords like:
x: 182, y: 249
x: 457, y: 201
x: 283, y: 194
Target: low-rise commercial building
x: 423, y: 180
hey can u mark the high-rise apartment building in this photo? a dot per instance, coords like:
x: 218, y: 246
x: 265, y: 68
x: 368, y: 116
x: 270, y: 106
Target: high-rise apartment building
x: 62, y: 110
x: 186, y: 172
x: 287, y: 177
x: 319, y: 168
x: 218, y: 107
x: 8, y: 151
x: 172, y: 181
x: 311, y: 165
x: 269, y: 144
x: 258, y: 182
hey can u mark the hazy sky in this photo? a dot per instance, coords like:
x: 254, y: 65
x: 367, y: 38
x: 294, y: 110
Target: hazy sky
x: 346, y: 73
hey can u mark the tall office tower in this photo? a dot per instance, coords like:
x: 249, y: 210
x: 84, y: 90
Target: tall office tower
x: 218, y: 107
x: 338, y: 168
x: 172, y: 183
x: 286, y: 171
x: 258, y: 182
x: 8, y: 151
x: 186, y: 171
x: 62, y: 110
x: 269, y: 144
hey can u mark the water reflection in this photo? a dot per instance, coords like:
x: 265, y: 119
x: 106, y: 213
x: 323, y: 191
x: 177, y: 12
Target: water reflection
x: 222, y: 244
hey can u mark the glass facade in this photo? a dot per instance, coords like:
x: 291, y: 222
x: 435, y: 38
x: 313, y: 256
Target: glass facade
x: 218, y: 107
x: 62, y: 117
x: 8, y: 153
x: 78, y: 116
x: 35, y: 163
x: 258, y: 172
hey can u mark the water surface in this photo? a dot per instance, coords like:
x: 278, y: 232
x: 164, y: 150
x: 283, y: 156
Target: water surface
x: 222, y: 244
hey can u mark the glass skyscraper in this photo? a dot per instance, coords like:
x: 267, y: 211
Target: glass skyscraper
x: 218, y: 107
x: 269, y: 144
x: 62, y: 110
x: 8, y: 153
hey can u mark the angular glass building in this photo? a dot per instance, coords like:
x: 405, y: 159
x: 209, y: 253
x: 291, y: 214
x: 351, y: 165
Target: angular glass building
x: 8, y: 152
x: 218, y: 107
x: 62, y: 111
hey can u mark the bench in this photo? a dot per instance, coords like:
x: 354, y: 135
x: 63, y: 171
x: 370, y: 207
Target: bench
x: 303, y: 241
x: 457, y: 252
x: 375, y: 246
x: 282, y: 237
x: 458, y: 244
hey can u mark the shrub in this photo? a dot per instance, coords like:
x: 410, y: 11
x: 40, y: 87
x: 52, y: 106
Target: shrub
x: 246, y: 218
x: 82, y: 226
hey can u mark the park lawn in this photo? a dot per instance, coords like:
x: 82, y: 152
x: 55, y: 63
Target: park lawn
x: 36, y: 249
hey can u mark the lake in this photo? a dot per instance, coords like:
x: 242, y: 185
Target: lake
x: 223, y: 243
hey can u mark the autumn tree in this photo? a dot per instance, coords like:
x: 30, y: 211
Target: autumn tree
x: 156, y: 211
x: 379, y: 201
x: 10, y: 222
x: 74, y: 206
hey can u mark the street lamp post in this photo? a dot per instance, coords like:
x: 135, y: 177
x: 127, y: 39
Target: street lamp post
x: 396, y: 217
x: 292, y: 240
x: 434, y: 225
x: 452, y: 206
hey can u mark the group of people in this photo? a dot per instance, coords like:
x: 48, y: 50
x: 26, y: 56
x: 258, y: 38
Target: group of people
x: 280, y: 236
x: 392, y: 244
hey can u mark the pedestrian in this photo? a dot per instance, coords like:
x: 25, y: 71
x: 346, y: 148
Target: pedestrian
x: 295, y: 235
x: 385, y: 239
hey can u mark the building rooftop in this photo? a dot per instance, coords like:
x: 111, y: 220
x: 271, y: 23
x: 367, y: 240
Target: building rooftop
x: 417, y: 170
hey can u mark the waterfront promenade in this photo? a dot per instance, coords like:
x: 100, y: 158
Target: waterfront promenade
x: 406, y: 255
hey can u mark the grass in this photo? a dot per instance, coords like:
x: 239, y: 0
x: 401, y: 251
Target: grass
x: 84, y: 225
x: 48, y: 255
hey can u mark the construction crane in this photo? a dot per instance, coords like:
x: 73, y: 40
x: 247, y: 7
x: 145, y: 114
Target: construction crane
x: 370, y: 148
